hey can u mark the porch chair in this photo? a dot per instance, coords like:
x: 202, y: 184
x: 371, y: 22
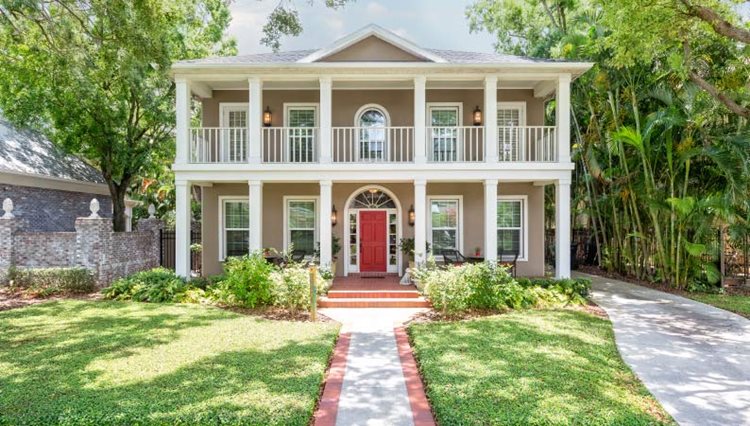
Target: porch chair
x: 504, y: 257
x: 298, y: 255
x: 453, y: 257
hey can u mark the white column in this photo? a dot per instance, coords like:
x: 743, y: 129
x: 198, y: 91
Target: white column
x: 182, y: 228
x: 324, y: 222
x: 255, y: 197
x: 562, y: 229
x: 326, y: 108
x: 182, y: 109
x: 420, y: 221
x: 490, y: 119
x: 255, y: 120
x: 420, y: 106
x: 563, y: 117
x: 490, y: 220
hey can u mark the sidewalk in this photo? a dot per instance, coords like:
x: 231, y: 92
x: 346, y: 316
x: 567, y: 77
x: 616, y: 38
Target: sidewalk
x: 373, y: 378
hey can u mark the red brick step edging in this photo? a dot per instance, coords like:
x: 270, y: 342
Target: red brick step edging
x: 420, y: 407
x: 328, y: 407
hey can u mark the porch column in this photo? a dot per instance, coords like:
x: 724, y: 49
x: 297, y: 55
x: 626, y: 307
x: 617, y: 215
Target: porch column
x: 255, y: 120
x: 324, y: 222
x: 490, y: 220
x: 562, y: 117
x: 326, y: 107
x: 562, y: 228
x: 182, y: 109
x: 255, y: 204
x: 420, y: 105
x: 420, y: 221
x: 182, y: 228
x: 490, y: 119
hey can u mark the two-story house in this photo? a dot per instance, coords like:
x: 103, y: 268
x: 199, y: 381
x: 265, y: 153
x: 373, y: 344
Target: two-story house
x: 370, y: 140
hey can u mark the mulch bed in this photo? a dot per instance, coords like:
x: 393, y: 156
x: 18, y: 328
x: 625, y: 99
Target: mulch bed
x: 14, y: 299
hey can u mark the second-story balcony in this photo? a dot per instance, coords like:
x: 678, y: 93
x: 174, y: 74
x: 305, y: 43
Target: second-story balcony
x: 378, y: 144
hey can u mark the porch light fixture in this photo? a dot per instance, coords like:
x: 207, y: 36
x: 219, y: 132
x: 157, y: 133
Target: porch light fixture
x: 411, y: 215
x: 334, y: 216
x: 267, y: 117
x: 477, y: 115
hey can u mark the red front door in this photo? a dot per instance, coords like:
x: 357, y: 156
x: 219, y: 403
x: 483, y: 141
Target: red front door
x: 372, y: 241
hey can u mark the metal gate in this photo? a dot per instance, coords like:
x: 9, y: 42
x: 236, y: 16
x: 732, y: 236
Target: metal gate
x: 167, y: 249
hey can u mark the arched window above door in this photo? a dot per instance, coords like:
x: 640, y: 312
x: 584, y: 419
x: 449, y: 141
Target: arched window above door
x: 372, y: 199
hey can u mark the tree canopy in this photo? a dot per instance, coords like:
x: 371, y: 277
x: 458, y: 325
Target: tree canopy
x: 94, y: 74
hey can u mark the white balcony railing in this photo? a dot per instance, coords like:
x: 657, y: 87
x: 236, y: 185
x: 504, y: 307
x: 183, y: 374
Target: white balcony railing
x: 218, y: 145
x: 295, y: 145
x: 455, y: 144
x: 373, y: 144
x: 536, y: 144
x: 290, y: 145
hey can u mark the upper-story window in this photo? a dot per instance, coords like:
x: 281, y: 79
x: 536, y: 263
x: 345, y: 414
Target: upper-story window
x: 372, y: 121
x: 301, y: 123
x: 233, y: 130
x: 444, y: 119
x: 510, y: 117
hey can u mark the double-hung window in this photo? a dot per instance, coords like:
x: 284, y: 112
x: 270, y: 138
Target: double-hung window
x: 444, y: 122
x: 235, y: 227
x: 233, y: 133
x: 445, y: 224
x: 301, y: 124
x: 301, y: 224
x: 511, y: 228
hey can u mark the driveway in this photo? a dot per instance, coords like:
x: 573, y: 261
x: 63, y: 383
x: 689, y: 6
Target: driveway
x: 694, y: 358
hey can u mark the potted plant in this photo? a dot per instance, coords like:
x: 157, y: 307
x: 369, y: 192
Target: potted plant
x: 335, y: 249
x: 477, y: 251
x: 407, y: 247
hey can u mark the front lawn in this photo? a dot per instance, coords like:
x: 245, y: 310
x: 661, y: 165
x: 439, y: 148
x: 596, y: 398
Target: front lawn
x: 550, y: 367
x: 737, y: 303
x: 77, y: 362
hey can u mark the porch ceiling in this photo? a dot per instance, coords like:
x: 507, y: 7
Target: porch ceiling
x: 312, y: 84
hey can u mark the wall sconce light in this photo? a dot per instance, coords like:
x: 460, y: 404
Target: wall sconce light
x: 334, y: 216
x: 267, y: 117
x: 411, y: 215
x: 477, y: 116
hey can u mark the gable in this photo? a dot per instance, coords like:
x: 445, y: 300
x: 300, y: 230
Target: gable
x: 372, y: 49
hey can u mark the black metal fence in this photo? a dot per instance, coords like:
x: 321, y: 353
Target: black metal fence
x: 167, y: 249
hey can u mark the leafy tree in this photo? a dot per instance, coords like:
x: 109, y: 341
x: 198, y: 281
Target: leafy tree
x: 284, y: 20
x: 94, y: 74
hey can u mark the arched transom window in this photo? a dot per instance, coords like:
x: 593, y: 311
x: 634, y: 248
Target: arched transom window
x: 372, y: 199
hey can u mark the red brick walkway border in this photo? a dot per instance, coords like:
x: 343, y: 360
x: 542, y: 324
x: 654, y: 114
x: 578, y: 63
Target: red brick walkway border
x: 420, y: 408
x: 325, y: 415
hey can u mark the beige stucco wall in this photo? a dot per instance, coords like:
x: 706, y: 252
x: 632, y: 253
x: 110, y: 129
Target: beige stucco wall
x: 372, y: 49
x: 473, y: 220
x: 398, y: 103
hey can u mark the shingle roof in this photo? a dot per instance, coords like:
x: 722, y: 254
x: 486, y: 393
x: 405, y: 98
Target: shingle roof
x: 24, y: 151
x: 451, y: 56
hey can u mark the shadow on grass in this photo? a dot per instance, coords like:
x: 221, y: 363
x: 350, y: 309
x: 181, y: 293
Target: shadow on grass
x: 533, y: 367
x: 105, y: 362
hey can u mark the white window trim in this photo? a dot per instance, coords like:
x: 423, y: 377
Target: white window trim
x: 301, y: 105
x: 460, y: 199
x: 444, y: 105
x: 287, y: 199
x: 222, y: 230
x: 225, y: 107
x: 524, y: 199
x: 358, y: 116
x: 519, y: 105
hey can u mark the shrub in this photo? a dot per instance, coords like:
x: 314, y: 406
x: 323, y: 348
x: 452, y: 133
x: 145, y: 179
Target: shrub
x: 157, y: 285
x: 247, y: 282
x: 489, y: 287
x: 291, y: 287
x: 44, y: 282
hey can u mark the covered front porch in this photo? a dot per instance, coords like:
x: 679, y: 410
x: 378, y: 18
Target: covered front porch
x: 363, y: 229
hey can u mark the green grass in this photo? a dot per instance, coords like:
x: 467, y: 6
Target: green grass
x: 541, y: 367
x: 75, y: 362
x: 739, y: 304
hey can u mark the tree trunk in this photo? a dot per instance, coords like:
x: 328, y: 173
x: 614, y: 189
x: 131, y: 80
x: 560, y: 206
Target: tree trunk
x: 118, y: 192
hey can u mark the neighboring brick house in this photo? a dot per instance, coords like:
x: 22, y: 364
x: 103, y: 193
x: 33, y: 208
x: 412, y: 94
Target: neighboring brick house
x: 49, y: 187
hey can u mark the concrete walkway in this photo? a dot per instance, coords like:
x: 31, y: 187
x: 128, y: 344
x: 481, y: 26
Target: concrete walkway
x: 374, y: 390
x: 694, y: 358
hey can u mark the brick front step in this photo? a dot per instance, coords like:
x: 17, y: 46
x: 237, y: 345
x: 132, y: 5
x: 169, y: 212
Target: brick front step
x: 373, y: 294
x: 371, y: 302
